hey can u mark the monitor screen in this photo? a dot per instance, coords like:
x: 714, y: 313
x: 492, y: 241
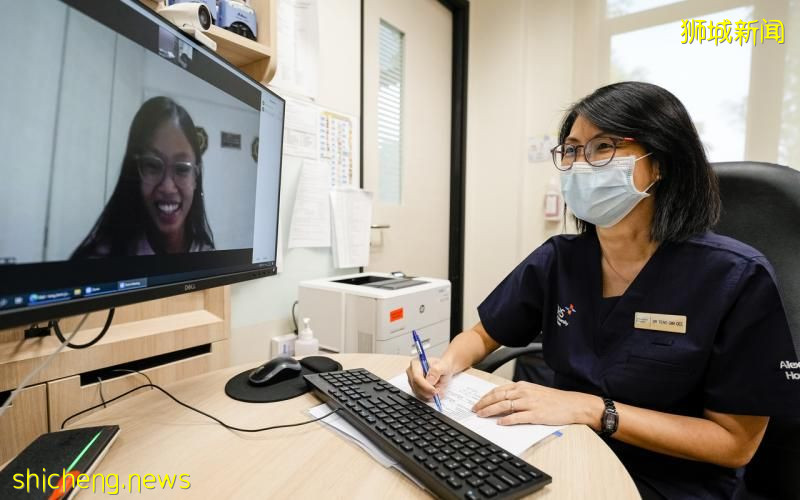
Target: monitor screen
x: 136, y: 163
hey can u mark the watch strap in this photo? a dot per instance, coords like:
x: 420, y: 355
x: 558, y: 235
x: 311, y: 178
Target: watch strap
x: 610, y: 419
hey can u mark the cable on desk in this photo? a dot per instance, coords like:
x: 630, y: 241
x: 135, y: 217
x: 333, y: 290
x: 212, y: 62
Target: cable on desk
x: 220, y: 422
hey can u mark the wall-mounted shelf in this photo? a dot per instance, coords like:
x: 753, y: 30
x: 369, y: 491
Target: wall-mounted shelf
x: 256, y: 58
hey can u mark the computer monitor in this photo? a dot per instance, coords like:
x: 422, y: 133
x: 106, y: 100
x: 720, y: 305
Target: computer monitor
x: 136, y: 163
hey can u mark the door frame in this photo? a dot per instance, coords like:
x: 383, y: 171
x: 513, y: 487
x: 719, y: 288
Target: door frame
x: 458, y: 153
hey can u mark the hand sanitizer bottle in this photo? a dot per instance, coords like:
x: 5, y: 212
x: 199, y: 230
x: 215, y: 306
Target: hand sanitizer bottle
x: 306, y: 344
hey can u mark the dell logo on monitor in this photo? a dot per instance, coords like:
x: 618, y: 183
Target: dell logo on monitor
x: 189, y: 288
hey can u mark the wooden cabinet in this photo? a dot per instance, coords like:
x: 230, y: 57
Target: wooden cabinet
x: 256, y: 58
x: 168, y: 340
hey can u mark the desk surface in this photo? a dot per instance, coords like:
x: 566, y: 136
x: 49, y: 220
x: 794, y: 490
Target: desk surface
x: 160, y: 437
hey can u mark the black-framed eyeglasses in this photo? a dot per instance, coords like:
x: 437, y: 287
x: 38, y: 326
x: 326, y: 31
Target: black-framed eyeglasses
x: 598, y: 152
x: 152, y: 170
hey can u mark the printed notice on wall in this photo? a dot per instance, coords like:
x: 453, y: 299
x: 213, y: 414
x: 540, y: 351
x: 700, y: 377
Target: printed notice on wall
x: 351, y: 211
x: 337, y: 147
x: 311, y: 217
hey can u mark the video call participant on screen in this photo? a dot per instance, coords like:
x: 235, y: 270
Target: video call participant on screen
x: 664, y: 337
x: 157, y: 206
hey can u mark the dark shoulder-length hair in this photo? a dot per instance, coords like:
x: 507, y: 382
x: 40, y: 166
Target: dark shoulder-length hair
x: 124, y: 220
x: 687, y: 194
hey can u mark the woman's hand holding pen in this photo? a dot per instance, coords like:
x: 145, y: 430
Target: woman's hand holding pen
x: 528, y: 403
x: 439, y: 374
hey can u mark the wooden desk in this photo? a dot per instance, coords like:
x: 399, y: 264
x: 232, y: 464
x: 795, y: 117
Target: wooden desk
x: 160, y: 437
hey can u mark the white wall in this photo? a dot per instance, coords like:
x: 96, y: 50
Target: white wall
x: 261, y: 309
x: 520, y: 81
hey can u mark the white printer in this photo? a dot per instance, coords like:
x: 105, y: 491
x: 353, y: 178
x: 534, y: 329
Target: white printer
x: 375, y: 312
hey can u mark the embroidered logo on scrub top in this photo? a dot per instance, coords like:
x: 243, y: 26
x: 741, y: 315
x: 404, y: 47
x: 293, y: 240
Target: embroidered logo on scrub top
x: 562, y: 313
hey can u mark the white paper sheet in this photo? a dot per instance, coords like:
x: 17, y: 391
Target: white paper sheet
x: 298, y: 46
x: 462, y: 393
x: 301, y: 129
x: 311, y: 216
x: 351, y: 212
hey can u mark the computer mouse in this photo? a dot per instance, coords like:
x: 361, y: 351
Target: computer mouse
x: 275, y: 370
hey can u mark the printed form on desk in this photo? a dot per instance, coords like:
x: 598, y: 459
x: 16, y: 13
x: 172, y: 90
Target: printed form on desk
x: 462, y: 393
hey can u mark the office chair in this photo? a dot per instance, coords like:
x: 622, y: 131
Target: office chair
x: 761, y: 207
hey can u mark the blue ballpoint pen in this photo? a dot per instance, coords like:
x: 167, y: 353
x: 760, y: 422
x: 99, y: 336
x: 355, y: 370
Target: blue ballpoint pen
x: 424, y: 361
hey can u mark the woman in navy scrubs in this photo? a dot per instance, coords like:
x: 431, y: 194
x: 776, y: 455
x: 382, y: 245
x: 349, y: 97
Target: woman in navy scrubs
x: 667, y: 339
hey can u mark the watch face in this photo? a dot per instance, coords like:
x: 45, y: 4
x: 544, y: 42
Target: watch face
x: 608, y: 421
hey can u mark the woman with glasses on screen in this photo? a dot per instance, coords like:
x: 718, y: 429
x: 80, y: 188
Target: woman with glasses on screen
x: 665, y: 338
x: 157, y: 206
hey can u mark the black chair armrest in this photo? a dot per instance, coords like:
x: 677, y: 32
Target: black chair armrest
x: 505, y: 354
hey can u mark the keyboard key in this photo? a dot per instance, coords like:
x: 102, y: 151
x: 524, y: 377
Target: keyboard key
x: 515, y: 472
x: 518, y: 463
x: 475, y: 481
x: 471, y: 495
x: 497, y: 483
x: 430, y: 450
x: 458, y: 457
x: 455, y: 483
x: 507, y: 478
x: 421, y: 457
x: 504, y: 455
x: 462, y: 473
x: 443, y: 473
x: 469, y: 464
x: 462, y: 439
x: 481, y: 473
x: 407, y: 446
x: 490, y: 467
x: 483, y: 452
x: 488, y: 491
x: 451, y: 464
x: 441, y: 457
x: 432, y: 465
x: 472, y: 445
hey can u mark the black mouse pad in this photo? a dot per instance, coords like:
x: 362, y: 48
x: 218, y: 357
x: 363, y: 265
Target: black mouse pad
x: 240, y: 388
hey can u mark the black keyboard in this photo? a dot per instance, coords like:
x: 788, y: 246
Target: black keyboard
x: 449, y: 459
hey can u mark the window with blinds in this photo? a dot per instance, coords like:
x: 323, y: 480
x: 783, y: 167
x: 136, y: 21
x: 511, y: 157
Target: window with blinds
x: 391, y: 48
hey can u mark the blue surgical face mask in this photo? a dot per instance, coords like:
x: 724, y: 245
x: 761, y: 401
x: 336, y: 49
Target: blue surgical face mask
x: 602, y: 196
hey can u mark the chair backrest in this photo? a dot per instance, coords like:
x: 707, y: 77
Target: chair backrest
x: 761, y: 207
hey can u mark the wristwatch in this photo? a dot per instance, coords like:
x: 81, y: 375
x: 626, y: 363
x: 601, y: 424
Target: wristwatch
x: 610, y: 419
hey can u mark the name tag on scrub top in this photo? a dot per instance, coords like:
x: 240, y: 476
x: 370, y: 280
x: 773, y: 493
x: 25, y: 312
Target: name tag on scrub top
x: 662, y: 322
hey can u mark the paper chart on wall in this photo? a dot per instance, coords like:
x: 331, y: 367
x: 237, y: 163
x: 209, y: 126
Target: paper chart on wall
x: 330, y: 137
x: 311, y: 216
x: 351, y: 213
x: 301, y: 130
x: 337, y: 147
x: 298, y: 46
